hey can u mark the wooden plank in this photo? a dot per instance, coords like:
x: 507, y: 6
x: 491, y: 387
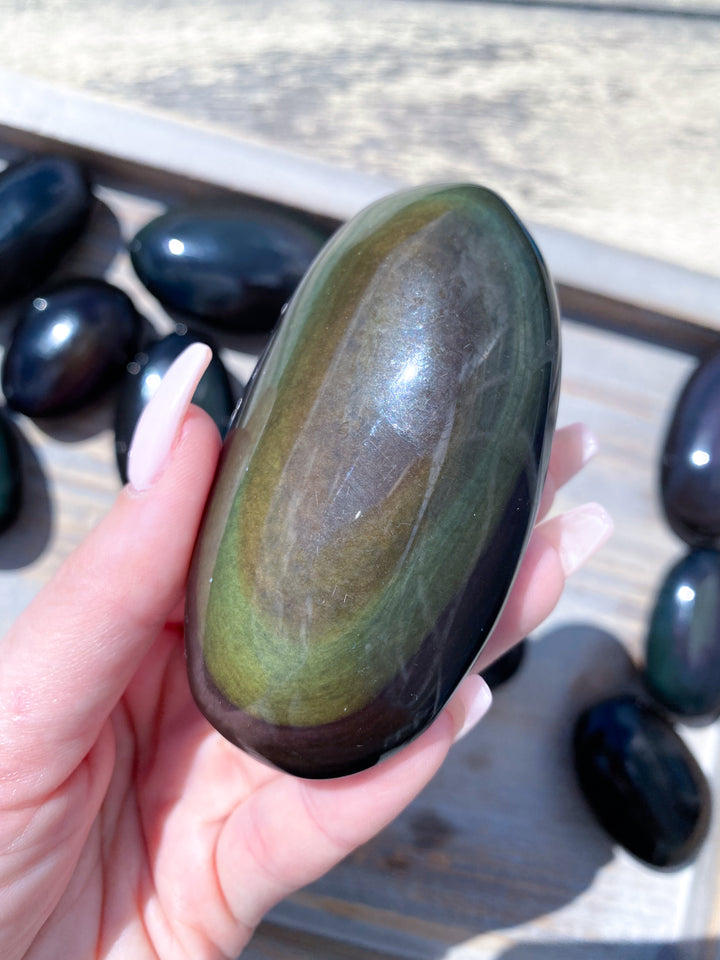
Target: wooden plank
x: 119, y: 141
x: 620, y: 316
x: 121, y: 145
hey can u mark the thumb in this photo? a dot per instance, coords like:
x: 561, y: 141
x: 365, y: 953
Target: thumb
x: 68, y: 659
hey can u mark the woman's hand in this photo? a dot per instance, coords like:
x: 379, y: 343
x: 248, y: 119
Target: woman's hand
x: 129, y: 827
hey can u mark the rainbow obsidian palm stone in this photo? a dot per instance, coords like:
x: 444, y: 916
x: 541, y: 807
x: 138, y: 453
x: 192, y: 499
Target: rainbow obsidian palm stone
x: 378, y: 484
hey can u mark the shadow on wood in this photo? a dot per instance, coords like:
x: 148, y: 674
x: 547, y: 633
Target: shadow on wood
x: 26, y: 539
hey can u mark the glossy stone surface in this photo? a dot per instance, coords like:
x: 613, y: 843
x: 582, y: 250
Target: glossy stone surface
x: 682, y: 661
x: 142, y: 379
x: 690, y: 466
x: 45, y: 204
x: 230, y: 265
x: 641, y: 781
x: 378, y: 485
x: 10, y: 473
x: 68, y: 346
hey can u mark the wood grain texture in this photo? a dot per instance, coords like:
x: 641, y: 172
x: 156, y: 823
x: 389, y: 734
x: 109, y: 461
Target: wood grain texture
x: 499, y: 857
x: 584, y: 117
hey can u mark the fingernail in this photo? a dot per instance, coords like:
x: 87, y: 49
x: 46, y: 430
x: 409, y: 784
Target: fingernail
x: 161, y: 419
x: 476, y: 700
x: 583, y: 531
x: 589, y: 442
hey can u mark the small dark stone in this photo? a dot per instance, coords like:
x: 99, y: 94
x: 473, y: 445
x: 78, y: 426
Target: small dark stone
x: 10, y: 473
x: 690, y: 466
x: 683, y: 645
x: 69, y: 345
x: 641, y: 781
x: 144, y: 374
x: 45, y: 205
x: 231, y: 265
x: 505, y: 666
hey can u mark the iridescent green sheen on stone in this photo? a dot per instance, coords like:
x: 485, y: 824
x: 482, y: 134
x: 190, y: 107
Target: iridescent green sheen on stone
x: 378, y: 485
x: 682, y: 661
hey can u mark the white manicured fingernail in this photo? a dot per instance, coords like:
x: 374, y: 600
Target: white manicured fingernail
x: 161, y: 419
x: 589, y: 444
x: 476, y: 699
x: 582, y: 531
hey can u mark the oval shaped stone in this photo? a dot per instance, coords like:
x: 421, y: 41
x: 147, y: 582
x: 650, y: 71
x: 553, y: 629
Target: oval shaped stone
x: 231, y: 265
x: 10, y: 473
x: 68, y: 346
x: 45, y: 204
x: 378, y: 484
x: 143, y: 377
x: 690, y: 465
x: 641, y: 781
x: 682, y: 663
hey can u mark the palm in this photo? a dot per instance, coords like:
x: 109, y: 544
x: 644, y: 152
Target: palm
x: 190, y: 847
x: 149, y: 868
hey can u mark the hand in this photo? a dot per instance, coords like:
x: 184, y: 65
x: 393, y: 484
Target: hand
x: 129, y: 827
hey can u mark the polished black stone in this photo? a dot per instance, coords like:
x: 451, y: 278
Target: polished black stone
x: 144, y: 374
x: 690, y: 466
x: 641, y: 781
x: 10, y: 472
x: 682, y: 668
x: 44, y: 206
x: 505, y: 667
x: 231, y: 265
x: 68, y: 346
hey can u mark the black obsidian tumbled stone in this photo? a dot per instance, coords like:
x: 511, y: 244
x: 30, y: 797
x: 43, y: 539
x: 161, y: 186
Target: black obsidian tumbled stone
x: 45, y: 205
x: 234, y: 266
x: 690, y: 465
x: 69, y: 345
x: 682, y: 662
x: 506, y: 666
x: 641, y: 781
x: 142, y: 379
x: 378, y: 484
x: 10, y: 472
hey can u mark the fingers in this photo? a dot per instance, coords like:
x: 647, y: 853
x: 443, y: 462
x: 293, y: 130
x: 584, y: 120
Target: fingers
x: 69, y: 658
x: 573, y: 447
x: 330, y: 818
x: 471, y: 700
x: 557, y: 548
x: 293, y: 831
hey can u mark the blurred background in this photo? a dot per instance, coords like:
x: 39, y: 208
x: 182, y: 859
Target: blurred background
x: 601, y: 117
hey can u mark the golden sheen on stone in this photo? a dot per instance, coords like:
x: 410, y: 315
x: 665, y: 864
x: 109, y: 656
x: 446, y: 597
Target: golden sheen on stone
x: 378, y: 484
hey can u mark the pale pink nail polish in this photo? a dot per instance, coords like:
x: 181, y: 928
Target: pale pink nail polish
x: 161, y: 419
x: 583, y: 531
x: 477, y: 700
x: 590, y: 443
